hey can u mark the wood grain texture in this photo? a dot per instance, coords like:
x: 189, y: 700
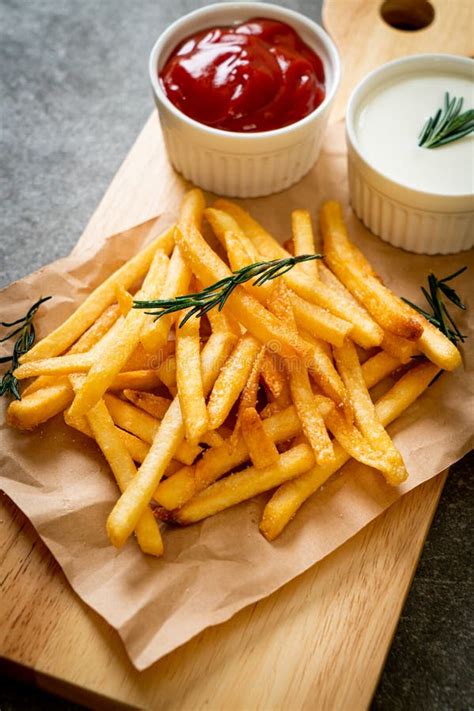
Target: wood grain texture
x: 365, y: 41
x: 320, y: 641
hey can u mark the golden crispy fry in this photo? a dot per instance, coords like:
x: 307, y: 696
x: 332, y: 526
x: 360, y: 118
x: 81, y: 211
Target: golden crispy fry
x: 321, y: 368
x: 280, y: 427
x: 223, y: 223
x: 261, y: 447
x: 124, y: 299
x: 400, y: 348
x: 354, y: 443
x: 273, y: 376
x: 365, y: 413
x: 286, y: 501
x: 223, y: 322
x: 243, y: 485
x: 189, y: 381
x: 60, y: 365
x: 123, y: 468
x: 144, y: 426
x: 168, y: 438
x: 167, y: 372
x: 300, y: 387
x: 136, y: 380
x: 364, y: 329
x: 155, y: 333
x: 348, y: 263
x: 319, y: 322
x: 303, y: 240
x: 39, y: 406
x: 155, y: 405
x: 137, y: 448
x: 84, y: 316
x: 141, y: 360
x: 209, y: 268
x: 231, y: 380
x: 104, y: 370
x: 249, y: 394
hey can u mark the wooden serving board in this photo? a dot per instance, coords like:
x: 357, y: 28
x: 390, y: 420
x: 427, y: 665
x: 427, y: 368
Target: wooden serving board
x: 320, y: 641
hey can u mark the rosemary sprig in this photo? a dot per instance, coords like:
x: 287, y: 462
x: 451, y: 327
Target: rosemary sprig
x: 439, y: 315
x: 26, y: 337
x: 447, y: 125
x: 217, y: 294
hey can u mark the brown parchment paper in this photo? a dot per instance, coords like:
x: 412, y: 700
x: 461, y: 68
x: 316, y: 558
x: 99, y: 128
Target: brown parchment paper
x: 213, y: 569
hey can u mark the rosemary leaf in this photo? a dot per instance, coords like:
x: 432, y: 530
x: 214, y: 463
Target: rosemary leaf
x: 216, y: 295
x: 447, y: 125
x: 26, y: 337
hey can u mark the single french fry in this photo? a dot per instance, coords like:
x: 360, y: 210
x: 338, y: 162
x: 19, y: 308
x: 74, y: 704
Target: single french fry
x: 39, y: 406
x: 104, y: 369
x: 249, y: 394
x: 400, y: 348
x: 273, y: 376
x: 286, y: 501
x: 60, y: 365
x: 124, y: 299
x: 231, y: 380
x: 137, y: 448
x: 280, y: 427
x: 167, y: 372
x: 365, y: 413
x: 354, y: 443
x: 155, y: 405
x: 189, y: 381
x: 155, y: 333
x: 303, y: 240
x: 378, y: 367
x: 144, y: 426
x: 311, y: 420
x: 136, y: 380
x: 168, y: 438
x: 364, y: 329
x: 322, y: 370
x: 223, y: 223
x: 348, y: 263
x: 244, y: 485
x: 261, y: 447
x: 223, y: 322
x: 141, y: 360
x: 300, y: 387
x: 319, y: 322
x: 209, y: 268
x: 87, y: 341
x: 123, y: 469
x: 84, y: 316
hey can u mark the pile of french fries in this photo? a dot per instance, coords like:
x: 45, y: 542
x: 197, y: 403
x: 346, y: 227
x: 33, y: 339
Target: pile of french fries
x: 276, y: 385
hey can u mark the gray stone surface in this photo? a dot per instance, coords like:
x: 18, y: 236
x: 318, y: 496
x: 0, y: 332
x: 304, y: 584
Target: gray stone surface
x: 73, y: 96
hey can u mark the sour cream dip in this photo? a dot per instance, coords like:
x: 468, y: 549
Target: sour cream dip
x: 390, y: 119
x: 414, y: 197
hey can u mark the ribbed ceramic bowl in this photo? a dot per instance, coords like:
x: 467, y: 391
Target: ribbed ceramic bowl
x: 243, y: 164
x: 414, y: 219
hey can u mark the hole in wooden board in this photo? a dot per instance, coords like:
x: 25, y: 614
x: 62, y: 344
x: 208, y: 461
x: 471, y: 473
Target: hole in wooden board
x: 407, y: 15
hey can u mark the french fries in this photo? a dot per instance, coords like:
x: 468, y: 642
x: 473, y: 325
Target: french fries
x: 68, y: 332
x: 185, y: 403
x: 286, y: 501
x: 189, y: 381
x: 103, y: 371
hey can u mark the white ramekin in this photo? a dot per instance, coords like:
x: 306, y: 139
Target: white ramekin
x: 418, y: 221
x: 240, y: 164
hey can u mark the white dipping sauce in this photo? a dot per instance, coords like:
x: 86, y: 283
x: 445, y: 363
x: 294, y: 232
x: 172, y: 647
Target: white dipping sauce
x: 388, y: 125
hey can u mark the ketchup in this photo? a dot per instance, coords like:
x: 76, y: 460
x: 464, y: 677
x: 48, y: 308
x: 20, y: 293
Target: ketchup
x: 256, y: 76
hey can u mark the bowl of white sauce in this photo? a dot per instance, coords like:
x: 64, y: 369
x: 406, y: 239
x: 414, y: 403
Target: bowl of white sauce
x: 415, y: 197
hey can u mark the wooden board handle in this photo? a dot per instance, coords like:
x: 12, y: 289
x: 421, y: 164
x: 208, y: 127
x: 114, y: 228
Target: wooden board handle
x: 365, y: 39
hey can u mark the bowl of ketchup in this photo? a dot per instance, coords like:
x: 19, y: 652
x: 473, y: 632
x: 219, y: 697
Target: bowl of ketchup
x: 243, y: 92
